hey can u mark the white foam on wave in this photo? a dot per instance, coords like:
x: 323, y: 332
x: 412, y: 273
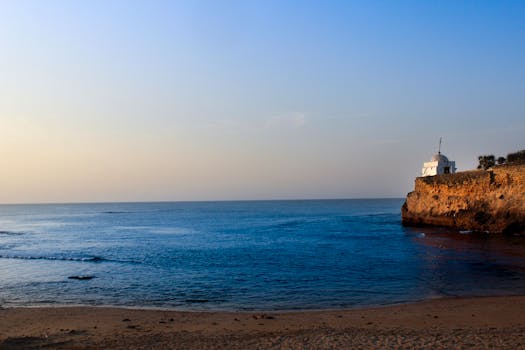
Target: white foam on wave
x: 157, y: 230
x: 172, y: 231
x: 41, y: 257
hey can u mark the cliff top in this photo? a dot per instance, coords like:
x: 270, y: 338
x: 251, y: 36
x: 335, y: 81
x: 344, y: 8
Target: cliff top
x: 473, y: 175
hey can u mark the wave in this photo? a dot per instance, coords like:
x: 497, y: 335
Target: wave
x: 288, y: 224
x: 292, y: 223
x: 171, y: 231
x: 117, y: 212
x: 93, y: 259
x: 157, y: 230
x: 11, y: 233
x: 197, y: 300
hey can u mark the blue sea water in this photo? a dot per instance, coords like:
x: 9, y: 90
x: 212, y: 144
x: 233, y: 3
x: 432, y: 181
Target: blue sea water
x: 246, y: 255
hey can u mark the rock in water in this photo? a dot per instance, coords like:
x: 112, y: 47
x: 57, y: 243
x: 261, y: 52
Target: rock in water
x: 81, y: 277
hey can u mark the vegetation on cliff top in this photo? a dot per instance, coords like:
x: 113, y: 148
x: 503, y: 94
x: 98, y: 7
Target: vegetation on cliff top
x: 517, y: 157
x: 488, y: 161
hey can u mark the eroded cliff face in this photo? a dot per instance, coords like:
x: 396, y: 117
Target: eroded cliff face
x: 492, y: 201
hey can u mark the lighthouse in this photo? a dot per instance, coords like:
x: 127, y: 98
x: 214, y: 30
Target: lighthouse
x: 439, y: 164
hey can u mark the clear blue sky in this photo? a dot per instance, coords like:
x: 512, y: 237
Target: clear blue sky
x: 193, y: 100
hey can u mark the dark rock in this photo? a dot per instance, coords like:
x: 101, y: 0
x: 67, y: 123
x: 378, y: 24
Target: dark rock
x: 81, y: 277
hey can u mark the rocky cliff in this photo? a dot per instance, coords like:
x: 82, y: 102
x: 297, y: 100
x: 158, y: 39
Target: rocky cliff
x: 492, y: 201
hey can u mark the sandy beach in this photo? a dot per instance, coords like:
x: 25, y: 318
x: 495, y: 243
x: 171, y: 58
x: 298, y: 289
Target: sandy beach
x: 477, y: 323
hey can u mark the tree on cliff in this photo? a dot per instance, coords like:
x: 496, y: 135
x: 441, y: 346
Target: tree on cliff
x: 517, y: 157
x: 486, y: 161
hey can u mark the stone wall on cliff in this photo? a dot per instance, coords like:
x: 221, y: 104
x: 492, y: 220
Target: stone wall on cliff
x: 491, y: 201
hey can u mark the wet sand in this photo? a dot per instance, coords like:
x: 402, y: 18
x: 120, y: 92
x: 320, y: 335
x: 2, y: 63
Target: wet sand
x: 476, y: 323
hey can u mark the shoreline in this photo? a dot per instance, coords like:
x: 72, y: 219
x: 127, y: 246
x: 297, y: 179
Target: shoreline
x: 268, y: 311
x: 476, y: 322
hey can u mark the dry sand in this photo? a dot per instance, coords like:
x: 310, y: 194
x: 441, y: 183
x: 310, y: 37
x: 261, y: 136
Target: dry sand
x: 477, y: 323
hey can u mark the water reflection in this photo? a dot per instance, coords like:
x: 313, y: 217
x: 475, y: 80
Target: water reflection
x: 460, y: 264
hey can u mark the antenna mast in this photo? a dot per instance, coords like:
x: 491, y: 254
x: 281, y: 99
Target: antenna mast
x: 439, y: 149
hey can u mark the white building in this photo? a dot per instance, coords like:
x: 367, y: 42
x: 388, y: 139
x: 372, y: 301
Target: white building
x: 438, y: 165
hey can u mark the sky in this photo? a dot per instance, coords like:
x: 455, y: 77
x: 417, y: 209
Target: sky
x: 233, y: 100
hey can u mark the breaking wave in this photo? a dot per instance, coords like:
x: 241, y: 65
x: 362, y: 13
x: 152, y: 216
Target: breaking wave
x: 92, y: 259
x: 11, y: 233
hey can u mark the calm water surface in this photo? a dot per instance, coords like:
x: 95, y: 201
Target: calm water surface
x: 263, y: 255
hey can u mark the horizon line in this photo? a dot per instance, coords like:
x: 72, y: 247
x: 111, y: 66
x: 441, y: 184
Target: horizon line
x: 201, y: 201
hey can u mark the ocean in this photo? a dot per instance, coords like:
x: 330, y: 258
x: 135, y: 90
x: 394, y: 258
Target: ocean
x: 244, y: 255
